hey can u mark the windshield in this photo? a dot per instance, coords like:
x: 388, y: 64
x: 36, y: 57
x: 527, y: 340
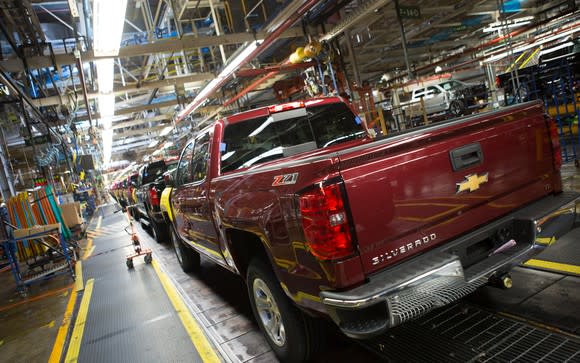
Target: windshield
x: 287, y: 133
x: 451, y: 85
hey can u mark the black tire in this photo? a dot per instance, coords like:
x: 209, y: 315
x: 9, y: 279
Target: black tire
x: 156, y: 231
x: 129, y: 263
x: 188, y: 259
x: 300, y: 337
x: 457, y: 108
x: 148, y: 258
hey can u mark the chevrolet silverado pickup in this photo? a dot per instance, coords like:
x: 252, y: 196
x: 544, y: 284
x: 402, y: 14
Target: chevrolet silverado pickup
x: 323, y: 221
x: 451, y: 96
x: 150, y: 185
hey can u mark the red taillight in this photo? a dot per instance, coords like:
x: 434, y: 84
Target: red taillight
x: 497, y: 82
x: 556, y: 146
x: 153, y: 196
x: 286, y: 106
x: 325, y: 223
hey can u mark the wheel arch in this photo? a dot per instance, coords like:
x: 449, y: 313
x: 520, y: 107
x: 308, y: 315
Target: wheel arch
x: 244, y: 246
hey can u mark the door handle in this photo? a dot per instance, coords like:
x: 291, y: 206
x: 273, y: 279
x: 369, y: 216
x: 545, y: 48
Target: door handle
x: 466, y: 156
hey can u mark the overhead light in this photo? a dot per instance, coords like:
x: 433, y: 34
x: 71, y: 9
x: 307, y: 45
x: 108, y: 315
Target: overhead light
x: 105, y: 75
x: 106, y: 106
x: 108, y: 22
x: 153, y: 143
x: 241, y: 57
x: 166, y: 131
x: 536, y: 43
x: 512, y: 23
x: 107, y: 136
x: 201, y: 97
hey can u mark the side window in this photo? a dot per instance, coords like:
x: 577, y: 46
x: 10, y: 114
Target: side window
x: 200, y: 157
x: 433, y: 90
x: 183, y: 172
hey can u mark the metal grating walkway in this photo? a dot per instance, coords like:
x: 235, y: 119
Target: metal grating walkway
x: 465, y: 333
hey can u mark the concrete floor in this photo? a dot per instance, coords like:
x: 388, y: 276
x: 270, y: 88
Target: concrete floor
x: 29, y: 325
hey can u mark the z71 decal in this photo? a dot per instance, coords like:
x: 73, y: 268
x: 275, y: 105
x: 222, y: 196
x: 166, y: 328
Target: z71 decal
x: 286, y: 179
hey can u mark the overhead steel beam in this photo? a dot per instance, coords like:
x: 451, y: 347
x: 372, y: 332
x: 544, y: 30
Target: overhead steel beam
x: 129, y: 110
x: 161, y: 46
x: 154, y: 131
x: 135, y: 87
x: 141, y: 121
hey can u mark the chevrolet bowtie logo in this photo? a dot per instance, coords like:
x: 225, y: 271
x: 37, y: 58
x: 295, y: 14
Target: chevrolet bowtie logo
x: 472, y: 183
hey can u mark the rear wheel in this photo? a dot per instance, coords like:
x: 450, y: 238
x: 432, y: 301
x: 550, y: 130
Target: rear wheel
x: 187, y: 257
x: 292, y: 335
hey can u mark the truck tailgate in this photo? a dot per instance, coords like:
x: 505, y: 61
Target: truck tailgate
x: 411, y: 192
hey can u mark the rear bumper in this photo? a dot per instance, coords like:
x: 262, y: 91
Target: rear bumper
x: 446, y: 273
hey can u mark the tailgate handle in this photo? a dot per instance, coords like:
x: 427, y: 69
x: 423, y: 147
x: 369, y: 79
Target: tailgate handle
x: 466, y: 156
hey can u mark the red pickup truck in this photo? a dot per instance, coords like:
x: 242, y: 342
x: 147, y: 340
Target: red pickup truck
x: 324, y: 221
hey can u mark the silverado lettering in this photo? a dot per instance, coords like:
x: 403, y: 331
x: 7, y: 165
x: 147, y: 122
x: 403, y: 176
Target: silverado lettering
x: 345, y: 240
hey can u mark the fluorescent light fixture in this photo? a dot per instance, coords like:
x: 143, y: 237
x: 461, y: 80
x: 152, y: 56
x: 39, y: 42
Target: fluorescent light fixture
x: 106, y: 105
x: 558, y: 47
x: 237, y: 61
x: 533, y: 44
x: 107, y: 136
x: 108, y: 22
x: 153, y: 143
x: 105, y: 75
x: 512, y: 23
x: 166, y: 131
x: 202, y: 96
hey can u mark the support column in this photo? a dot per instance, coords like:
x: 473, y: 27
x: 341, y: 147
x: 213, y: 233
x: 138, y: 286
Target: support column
x: 352, y: 57
x: 404, y: 40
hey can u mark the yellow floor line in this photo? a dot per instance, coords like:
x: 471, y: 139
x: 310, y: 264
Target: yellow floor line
x: 74, y: 346
x: 88, y: 249
x: 199, y: 340
x: 556, y: 266
x: 63, y: 330
x: 79, y: 283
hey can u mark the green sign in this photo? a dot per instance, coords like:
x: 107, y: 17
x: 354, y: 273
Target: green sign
x: 410, y: 12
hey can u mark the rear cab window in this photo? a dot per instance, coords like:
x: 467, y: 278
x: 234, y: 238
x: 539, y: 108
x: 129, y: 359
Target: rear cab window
x: 278, y: 135
x: 153, y: 171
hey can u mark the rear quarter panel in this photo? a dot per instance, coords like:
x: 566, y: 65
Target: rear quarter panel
x: 247, y: 200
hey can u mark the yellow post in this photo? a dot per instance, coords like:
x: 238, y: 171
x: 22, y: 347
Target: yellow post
x: 425, y: 119
x: 382, y: 121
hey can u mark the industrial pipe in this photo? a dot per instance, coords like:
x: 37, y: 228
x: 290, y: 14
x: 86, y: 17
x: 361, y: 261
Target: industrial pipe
x: 270, y: 38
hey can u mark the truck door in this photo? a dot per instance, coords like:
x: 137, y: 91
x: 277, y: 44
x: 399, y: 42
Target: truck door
x: 182, y: 179
x: 435, y: 100
x: 198, y: 226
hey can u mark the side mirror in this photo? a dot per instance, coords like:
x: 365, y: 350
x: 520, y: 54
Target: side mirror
x: 169, y: 180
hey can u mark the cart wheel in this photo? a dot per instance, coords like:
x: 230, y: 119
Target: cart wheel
x: 129, y: 263
x: 148, y: 258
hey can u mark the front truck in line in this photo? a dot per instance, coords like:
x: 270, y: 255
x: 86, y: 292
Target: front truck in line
x: 323, y: 221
